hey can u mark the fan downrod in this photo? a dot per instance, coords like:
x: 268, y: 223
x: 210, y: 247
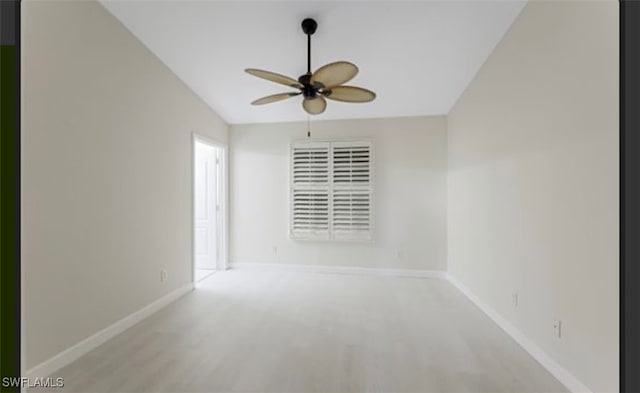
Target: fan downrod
x: 309, y: 27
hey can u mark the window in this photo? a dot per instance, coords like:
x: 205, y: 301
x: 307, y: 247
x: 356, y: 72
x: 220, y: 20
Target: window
x: 331, y: 190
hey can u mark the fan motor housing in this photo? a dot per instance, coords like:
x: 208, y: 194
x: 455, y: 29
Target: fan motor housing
x: 305, y: 79
x: 307, y: 89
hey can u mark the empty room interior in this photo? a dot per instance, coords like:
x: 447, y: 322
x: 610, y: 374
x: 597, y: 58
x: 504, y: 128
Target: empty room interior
x: 318, y: 196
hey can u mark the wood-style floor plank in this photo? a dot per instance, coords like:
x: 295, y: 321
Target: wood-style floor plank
x: 264, y: 331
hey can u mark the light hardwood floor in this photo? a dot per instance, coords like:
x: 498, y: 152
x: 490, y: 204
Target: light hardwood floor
x: 264, y: 331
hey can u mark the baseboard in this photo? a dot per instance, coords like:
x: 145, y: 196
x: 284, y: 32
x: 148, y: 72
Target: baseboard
x: 343, y: 270
x: 69, y: 355
x: 565, y: 377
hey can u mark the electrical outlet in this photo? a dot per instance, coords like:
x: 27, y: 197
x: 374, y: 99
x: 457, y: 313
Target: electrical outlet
x: 163, y: 275
x: 558, y: 327
x: 515, y: 299
x: 275, y: 250
x: 397, y: 253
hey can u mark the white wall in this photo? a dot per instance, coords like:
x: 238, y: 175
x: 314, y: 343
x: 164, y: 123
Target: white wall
x: 533, y: 184
x: 410, y: 194
x: 106, y: 181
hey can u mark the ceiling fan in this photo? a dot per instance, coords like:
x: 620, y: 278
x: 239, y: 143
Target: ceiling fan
x: 326, y: 82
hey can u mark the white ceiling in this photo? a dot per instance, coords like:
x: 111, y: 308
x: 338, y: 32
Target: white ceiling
x: 417, y: 56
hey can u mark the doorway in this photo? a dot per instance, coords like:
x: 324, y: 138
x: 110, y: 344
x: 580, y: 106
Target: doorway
x: 209, y: 201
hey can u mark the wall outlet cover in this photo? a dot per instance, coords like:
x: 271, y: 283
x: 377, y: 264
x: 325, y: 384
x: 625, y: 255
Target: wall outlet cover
x: 558, y: 327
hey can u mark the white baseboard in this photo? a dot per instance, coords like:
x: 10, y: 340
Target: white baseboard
x: 343, y: 270
x: 67, y: 356
x: 568, y: 380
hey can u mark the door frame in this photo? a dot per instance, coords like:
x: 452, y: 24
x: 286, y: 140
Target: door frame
x: 223, y: 236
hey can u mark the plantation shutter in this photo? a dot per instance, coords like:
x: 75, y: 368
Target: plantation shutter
x: 310, y: 186
x: 352, y: 191
x: 332, y: 193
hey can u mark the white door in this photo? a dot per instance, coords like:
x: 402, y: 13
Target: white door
x: 206, y: 202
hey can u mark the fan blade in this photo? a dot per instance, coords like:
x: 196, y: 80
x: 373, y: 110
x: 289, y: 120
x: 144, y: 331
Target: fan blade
x: 334, y: 74
x: 314, y: 106
x: 349, y: 94
x: 274, y: 98
x: 273, y: 77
